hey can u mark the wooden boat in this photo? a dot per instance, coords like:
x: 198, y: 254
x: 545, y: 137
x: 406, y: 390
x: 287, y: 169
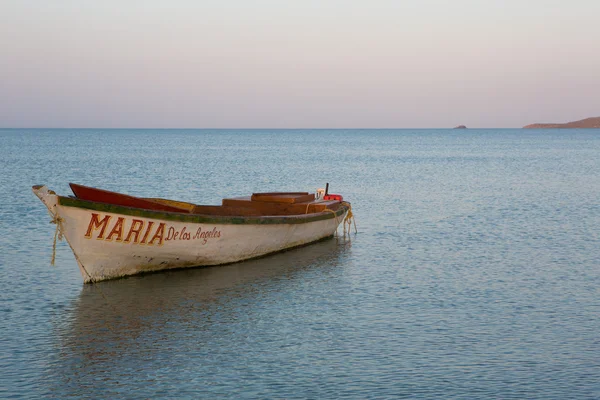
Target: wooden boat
x: 114, y: 235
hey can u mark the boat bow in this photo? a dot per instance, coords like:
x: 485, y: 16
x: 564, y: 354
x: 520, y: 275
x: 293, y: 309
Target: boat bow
x: 48, y: 197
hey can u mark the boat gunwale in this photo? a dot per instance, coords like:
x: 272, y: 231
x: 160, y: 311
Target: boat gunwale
x: 201, y: 218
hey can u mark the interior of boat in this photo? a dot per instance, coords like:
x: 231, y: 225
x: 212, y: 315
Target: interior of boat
x: 258, y: 204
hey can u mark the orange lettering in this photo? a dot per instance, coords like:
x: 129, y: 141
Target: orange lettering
x: 147, y: 232
x: 96, y: 223
x: 159, y: 234
x: 117, y: 230
x: 136, y: 228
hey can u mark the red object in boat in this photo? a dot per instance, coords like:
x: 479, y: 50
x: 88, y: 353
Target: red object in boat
x: 104, y: 196
x: 337, y: 197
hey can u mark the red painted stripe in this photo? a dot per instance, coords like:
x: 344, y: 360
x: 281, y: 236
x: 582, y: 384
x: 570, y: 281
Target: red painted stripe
x: 105, y: 196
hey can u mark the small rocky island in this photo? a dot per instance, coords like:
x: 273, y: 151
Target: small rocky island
x: 460, y: 127
x: 589, y: 123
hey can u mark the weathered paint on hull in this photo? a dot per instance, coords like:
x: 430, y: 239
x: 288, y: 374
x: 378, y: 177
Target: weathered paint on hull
x: 110, y: 245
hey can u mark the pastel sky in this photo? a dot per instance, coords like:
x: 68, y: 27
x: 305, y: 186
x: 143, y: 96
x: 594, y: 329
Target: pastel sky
x: 298, y: 64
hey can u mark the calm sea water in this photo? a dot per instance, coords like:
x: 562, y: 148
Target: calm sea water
x: 475, y: 272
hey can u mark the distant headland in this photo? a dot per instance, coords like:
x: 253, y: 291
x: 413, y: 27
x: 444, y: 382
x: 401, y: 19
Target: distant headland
x: 460, y: 127
x: 584, y: 123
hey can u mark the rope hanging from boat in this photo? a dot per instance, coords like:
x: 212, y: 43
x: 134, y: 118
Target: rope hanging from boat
x: 57, y: 235
x: 349, y: 220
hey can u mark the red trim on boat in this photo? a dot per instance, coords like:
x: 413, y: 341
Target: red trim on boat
x: 105, y: 196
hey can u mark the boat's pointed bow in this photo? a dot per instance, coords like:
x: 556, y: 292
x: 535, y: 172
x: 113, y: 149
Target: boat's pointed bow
x: 47, y: 196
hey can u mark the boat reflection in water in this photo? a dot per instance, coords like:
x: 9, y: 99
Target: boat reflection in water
x: 127, y: 325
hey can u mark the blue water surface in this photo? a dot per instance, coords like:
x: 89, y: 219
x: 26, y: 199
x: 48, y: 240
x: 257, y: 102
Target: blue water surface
x: 475, y: 272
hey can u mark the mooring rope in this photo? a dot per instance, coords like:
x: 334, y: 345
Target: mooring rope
x: 350, y: 219
x: 58, y: 234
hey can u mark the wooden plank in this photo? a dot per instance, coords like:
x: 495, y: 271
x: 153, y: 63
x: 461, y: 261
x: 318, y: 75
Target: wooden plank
x: 280, y: 193
x: 283, y: 197
x: 274, y: 208
x: 226, y: 211
x: 174, y: 203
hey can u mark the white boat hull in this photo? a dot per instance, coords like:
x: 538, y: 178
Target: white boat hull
x: 110, y: 245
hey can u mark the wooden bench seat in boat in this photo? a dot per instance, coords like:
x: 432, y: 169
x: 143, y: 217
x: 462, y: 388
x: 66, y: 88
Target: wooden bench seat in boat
x: 281, y: 208
x: 283, y: 197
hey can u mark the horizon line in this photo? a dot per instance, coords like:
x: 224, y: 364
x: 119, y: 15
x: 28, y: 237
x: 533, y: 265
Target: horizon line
x: 261, y: 128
